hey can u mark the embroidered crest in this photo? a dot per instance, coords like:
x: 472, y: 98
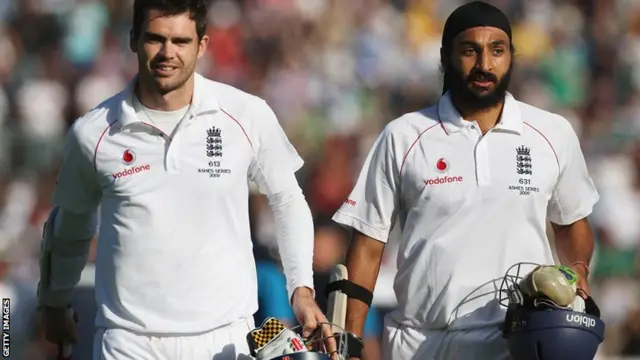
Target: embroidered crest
x: 214, y: 142
x: 523, y: 161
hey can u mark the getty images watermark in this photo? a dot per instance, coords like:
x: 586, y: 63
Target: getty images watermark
x: 6, y: 328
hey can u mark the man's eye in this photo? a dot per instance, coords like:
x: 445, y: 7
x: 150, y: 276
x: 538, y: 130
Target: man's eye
x: 468, y: 52
x: 498, y: 52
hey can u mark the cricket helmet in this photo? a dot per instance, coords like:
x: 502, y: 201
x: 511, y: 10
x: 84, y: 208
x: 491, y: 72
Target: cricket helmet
x: 537, y: 328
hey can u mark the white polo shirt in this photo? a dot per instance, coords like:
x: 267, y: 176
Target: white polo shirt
x: 469, y: 206
x: 174, y: 250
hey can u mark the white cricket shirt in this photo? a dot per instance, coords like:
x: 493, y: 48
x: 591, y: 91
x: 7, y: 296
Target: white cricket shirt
x: 174, y: 250
x: 469, y: 206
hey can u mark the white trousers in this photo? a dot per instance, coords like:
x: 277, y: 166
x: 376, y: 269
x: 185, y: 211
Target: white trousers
x: 404, y: 343
x: 227, y: 342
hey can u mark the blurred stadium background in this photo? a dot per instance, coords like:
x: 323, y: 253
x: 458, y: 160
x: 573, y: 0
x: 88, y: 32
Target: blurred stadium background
x: 335, y: 71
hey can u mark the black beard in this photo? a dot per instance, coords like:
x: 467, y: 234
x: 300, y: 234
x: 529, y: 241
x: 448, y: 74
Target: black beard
x: 459, y: 86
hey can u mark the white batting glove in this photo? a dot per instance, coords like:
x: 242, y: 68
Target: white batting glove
x: 557, y: 283
x: 287, y: 342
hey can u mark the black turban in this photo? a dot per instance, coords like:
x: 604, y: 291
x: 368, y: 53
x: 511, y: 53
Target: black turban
x: 473, y: 14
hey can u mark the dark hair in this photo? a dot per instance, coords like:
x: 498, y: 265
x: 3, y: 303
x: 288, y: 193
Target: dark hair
x: 197, y: 10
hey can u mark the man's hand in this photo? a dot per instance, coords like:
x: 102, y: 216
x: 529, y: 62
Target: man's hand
x: 309, y: 316
x: 583, y: 281
x: 574, y: 246
x: 306, y: 310
x: 60, y: 325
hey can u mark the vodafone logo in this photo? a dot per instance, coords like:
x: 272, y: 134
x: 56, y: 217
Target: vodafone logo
x: 131, y: 171
x: 442, y: 165
x: 443, y: 180
x: 128, y: 157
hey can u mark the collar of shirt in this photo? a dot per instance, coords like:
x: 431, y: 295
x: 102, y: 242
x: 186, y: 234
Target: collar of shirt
x: 204, y: 100
x: 452, y: 121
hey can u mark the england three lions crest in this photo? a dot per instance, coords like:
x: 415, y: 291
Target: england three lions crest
x: 214, y: 142
x: 523, y: 161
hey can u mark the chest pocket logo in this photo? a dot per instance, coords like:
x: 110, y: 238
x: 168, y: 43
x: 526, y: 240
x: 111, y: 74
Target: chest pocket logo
x: 523, y: 161
x: 524, y: 169
x: 214, y: 150
x: 128, y: 158
x: 214, y: 142
x: 442, y: 165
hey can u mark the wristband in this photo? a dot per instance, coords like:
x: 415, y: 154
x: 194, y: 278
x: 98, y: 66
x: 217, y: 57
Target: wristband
x: 350, y: 289
x: 583, y: 264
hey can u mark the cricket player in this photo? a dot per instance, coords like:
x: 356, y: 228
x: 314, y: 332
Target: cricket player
x: 470, y: 182
x: 169, y: 160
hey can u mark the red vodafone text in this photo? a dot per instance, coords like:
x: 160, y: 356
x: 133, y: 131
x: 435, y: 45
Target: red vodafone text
x: 443, y: 180
x: 131, y: 171
x: 350, y: 202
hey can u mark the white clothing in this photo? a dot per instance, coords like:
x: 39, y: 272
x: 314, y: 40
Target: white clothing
x: 407, y: 343
x: 469, y: 206
x: 166, y: 121
x: 224, y: 343
x: 174, y: 245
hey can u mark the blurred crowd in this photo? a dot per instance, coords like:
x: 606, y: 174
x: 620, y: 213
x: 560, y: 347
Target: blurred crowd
x: 335, y: 71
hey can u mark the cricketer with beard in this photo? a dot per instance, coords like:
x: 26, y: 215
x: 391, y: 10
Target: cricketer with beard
x: 515, y: 167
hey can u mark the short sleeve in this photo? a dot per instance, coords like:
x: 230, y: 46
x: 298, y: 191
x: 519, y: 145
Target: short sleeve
x: 76, y: 189
x: 575, y: 194
x: 276, y: 160
x: 372, y: 206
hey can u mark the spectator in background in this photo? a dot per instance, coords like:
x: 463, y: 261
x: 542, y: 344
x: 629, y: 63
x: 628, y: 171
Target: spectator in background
x: 331, y: 179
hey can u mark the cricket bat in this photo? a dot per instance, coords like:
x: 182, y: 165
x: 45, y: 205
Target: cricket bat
x: 337, y: 301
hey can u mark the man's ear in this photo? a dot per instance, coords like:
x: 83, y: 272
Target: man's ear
x: 444, y: 58
x: 132, y: 41
x: 203, y: 45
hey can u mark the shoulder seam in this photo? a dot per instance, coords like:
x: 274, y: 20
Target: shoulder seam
x: 240, y: 125
x: 95, y: 151
x: 406, y: 155
x: 548, y: 142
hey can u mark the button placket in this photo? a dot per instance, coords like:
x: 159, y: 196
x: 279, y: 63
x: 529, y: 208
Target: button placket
x: 173, y: 149
x: 483, y: 173
x: 156, y: 132
x: 481, y: 155
x: 172, y: 152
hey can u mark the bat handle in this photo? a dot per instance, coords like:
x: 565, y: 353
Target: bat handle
x: 64, y: 351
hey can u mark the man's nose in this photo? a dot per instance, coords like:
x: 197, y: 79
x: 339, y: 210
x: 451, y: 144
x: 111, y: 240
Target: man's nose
x: 168, y: 50
x: 484, y: 62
